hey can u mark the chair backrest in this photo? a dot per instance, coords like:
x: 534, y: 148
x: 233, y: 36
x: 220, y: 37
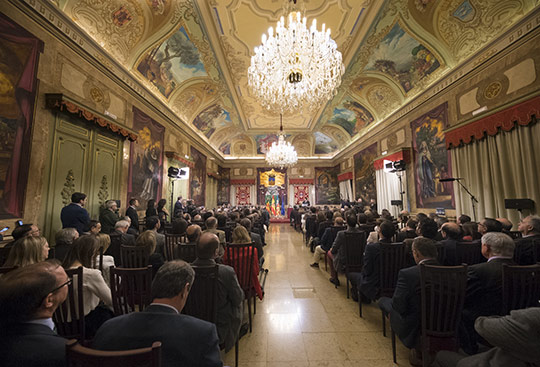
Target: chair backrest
x: 4, y: 253
x: 520, y: 287
x: 392, y: 258
x: 228, y: 232
x: 202, y: 300
x: 240, y: 258
x: 186, y: 252
x: 114, y: 248
x: 442, y: 296
x: 79, y: 356
x: 131, y: 289
x: 469, y: 253
x: 171, y: 242
x: 100, y: 259
x: 441, y: 254
x: 355, y: 244
x: 69, y: 316
x: 134, y: 256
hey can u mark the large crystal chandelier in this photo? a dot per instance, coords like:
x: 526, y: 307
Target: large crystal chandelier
x: 295, y: 67
x: 281, y: 154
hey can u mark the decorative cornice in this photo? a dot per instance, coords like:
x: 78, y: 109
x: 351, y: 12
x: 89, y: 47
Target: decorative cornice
x: 301, y: 181
x: 62, y: 103
x: 403, y: 154
x: 175, y: 156
x: 345, y: 176
x: 243, y: 181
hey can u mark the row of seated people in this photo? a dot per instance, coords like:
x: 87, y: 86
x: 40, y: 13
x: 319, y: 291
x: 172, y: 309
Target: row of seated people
x: 484, y: 297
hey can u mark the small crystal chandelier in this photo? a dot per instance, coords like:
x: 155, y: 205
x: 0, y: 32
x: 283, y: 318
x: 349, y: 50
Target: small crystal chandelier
x: 295, y: 67
x: 281, y: 154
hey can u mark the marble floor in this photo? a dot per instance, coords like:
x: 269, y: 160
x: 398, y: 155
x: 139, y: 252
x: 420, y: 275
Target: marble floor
x: 305, y: 321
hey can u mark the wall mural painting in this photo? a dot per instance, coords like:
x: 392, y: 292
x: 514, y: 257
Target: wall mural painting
x: 351, y: 116
x: 19, y: 56
x: 432, y: 160
x: 326, y: 185
x: 402, y: 58
x: 172, y: 62
x: 364, y: 174
x: 197, y: 181
x: 324, y: 144
x: 224, y: 185
x: 212, y: 118
x: 264, y: 142
x: 146, y: 159
x: 272, y: 190
x: 225, y: 147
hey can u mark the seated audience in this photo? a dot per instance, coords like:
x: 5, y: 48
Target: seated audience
x: 96, y: 293
x: 484, y: 285
x: 506, y: 225
x: 530, y: 232
x: 230, y: 295
x: 120, y: 230
x: 28, y: 298
x: 211, y: 227
x: 185, y: 340
x: 327, y: 240
x: 193, y: 232
x: 255, y: 238
x: 108, y: 261
x: 154, y: 224
x: 63, y: 240
x: 337, y: 252
x: 75, y: 215
x: 515, y: 341
x: 451, y: 233
x: 369, y: 279
x: 148, y: 239
x: 240, y: 235
x: 27, y: 251
x: 23, y: 230
x: 487, y: 225
x: 409, y: 231
x: 94, y: 227
x: 470, y: 232
x: 404, y: 306
x: 462, y: 219
x: 179, y: 226
x: 109, y: 216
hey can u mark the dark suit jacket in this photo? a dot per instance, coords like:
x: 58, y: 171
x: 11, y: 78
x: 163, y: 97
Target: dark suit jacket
x: 450, y: 257
x: 258, y: 244
x: 74, y: 216
x: 370, y: 280
x: 108, y: 219
x: 322, y: 227
x: 178, y: 208
x: 406, y: 309
x: 406, y: 234
x: 525, y: 246
x: 29, y: 345
x: 185, y: 340
x: 134, y: 216
x: 338, y: 248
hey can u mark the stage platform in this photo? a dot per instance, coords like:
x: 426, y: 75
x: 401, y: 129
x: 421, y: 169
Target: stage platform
x: 279, y: 220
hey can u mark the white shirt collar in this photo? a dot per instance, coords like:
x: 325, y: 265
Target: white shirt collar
x: 47, y: 322
x: 164, y: 305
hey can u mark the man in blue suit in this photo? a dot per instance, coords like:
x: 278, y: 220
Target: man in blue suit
x: 185, y: 340
x: 75, y: 215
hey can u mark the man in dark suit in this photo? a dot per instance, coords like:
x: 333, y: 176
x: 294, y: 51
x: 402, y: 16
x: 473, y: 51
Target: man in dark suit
x: 154, y: 224
x: 327, y: 240
x: 230, y: 294
x: 337, y: 251
x: 530, y: 232
x: 28, y: 298
x: 256, y: 238
x: 109, y: 216
x: 484, y: 285
x: 266, y: 217
x: 451, y: 233
x: 368, y: 280
x: 119, y: 237
x: 408, y: 232
x: 185, y: 340
x: 131, y: 212
x: 404, y: 306
x: 75, y: 215
x: 178, y: 208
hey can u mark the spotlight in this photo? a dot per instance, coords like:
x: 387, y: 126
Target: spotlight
x: 173, y: 172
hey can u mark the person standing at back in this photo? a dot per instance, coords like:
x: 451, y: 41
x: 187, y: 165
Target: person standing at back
x: 75, y: 215
x: 131, y: 212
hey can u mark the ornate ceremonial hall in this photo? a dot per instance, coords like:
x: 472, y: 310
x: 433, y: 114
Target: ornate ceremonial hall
x: 277, y: 106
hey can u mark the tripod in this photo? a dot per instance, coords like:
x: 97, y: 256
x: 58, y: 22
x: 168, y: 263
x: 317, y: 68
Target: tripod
x: 473, y: 199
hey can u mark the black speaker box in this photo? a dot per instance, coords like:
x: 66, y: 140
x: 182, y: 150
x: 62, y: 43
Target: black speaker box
x: 396, y: 202
x: 518, y: 204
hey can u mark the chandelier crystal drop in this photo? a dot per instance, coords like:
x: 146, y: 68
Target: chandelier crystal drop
x: 295, y: 67
x: 281, y: 153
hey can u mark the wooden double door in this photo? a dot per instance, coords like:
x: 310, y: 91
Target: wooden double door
x: 84, y: 158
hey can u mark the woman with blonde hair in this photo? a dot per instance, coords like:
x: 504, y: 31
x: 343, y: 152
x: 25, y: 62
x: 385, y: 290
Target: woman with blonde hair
x: 108, y: 261
x: 241, y: 235
x: 27, y: 251
x: 149, y: 239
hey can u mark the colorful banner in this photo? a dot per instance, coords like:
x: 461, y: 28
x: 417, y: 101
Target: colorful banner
x: 301, y: 193
x: 243, y: 196
x: 272, y: 190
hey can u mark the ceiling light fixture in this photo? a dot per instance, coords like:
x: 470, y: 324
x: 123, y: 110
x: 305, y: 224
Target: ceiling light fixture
x: 281, y: 154
x: 295, y: 67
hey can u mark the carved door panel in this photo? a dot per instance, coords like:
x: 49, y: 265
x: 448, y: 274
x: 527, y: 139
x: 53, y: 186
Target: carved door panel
x: 69, y: 166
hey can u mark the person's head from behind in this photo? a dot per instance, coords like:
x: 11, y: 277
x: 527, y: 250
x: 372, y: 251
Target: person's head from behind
x: 211, y: 223
x: 172, y: 283
x: 487, y: 225
x: 179, y: 226
x: 104, y: 241
x: 207, y: 246
x: 497, y: 244
x: 25, y: 230
x: 421, y: 216
x: 411, y: 225
x: 471, y: 229
x: 32, y: 292
x: 339, y: 222
x: 121, y: 226
x: 506, y: 224
x: 147, y: 239
x: 240, y: 235
x: 386, y: 230
x: 427, y: 228
x: 463, y: 218
x: 66, y: 236
x: 193, y: 232
x: 27, y: 251
x: 161, y: 203
x: 83, y: 251
x: 362, y: 218
x: 451, y: 231
x: 370, y: 218
x: 221, y: 220
x: 153, y: 223
x: 151, y: 204
x: 78, y: 198
x: 246, y: 223
x: 94, y: 227
x: 423, y: 248
x: 351, y: 220
x: 529, y: 225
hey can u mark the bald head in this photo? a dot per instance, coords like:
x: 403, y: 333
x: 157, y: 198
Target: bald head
x: 451, y: 230
x: 507, y: 225
x: 207, y: 246
x: 193, y: 232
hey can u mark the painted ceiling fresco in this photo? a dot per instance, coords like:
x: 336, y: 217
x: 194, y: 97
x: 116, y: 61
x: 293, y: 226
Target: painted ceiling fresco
x: 193, y: 55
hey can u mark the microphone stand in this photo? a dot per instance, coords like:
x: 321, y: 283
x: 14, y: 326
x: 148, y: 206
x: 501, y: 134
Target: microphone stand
x: 473, y: 199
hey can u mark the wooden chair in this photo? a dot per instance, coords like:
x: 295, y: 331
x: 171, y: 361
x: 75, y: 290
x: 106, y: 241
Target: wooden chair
x: 69, y: 316
x: 355, y: 244
x: 240, y: 258
x: 130, y: 289
x: 202, y: 299
x: 526, y: 252
x: 4, y: 253
x: 7, y: 269
x: 79, y: 356
x: 469, y: 253
x: 335, y: 230
x: 442, y: 290
x: 115, y: 248
x: 187, y: 252
x: 392, y: 258
x: 171, y: 243
x: 520, y: 287
x: 134, y: 256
